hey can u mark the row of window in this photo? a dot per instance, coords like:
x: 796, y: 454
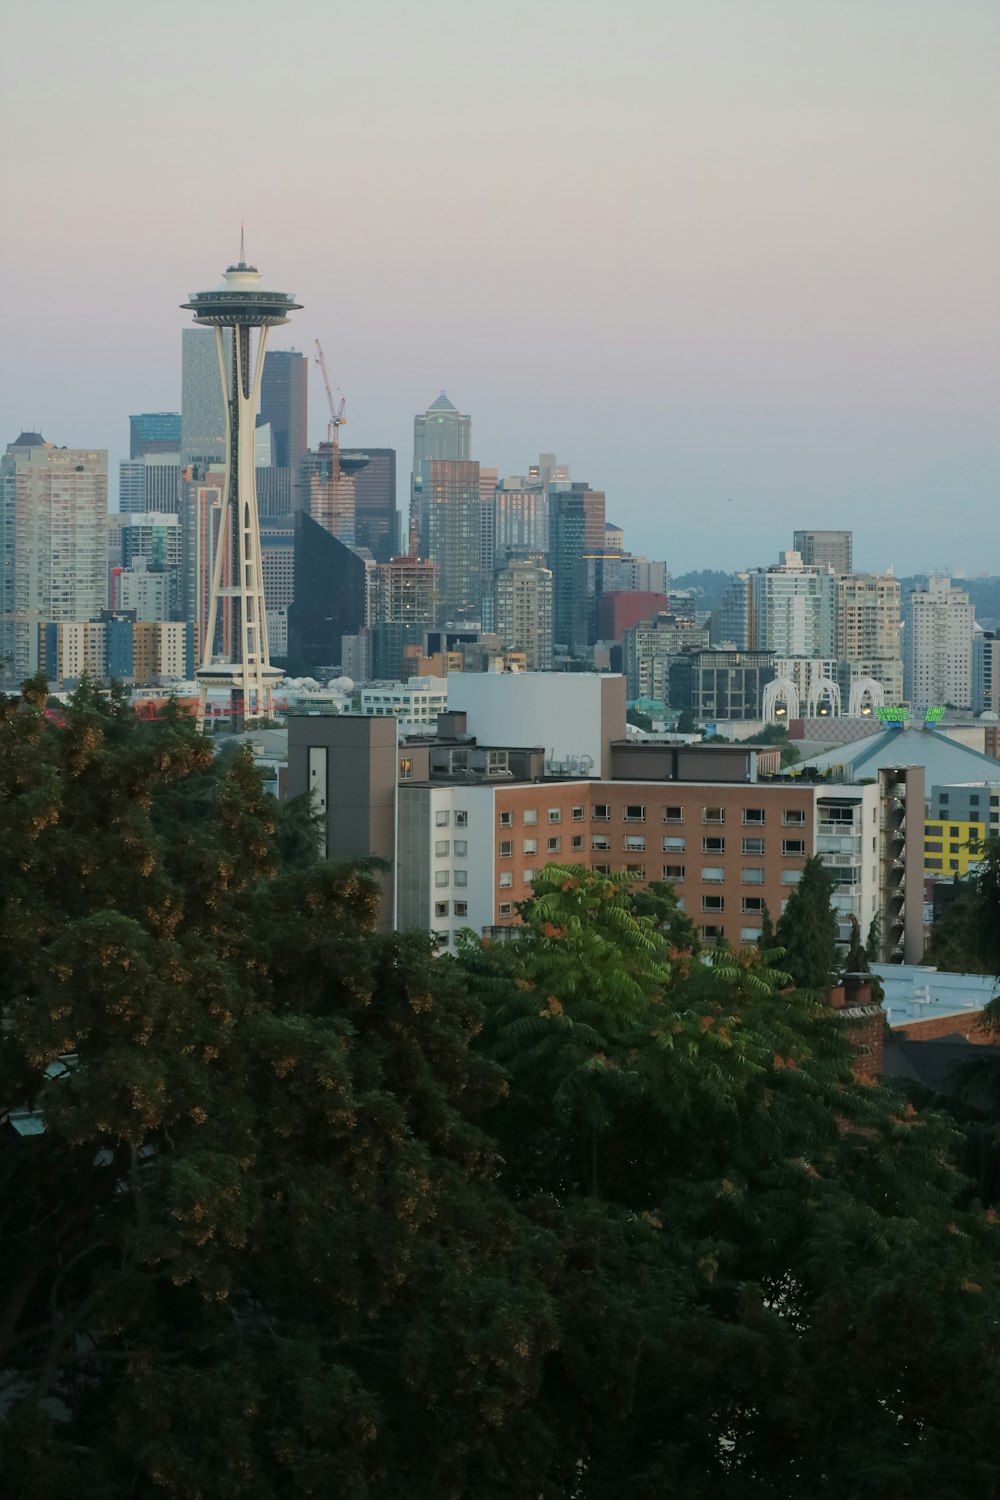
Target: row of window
x: 447, y: 908
x: 443, y: 817
x: 635, y: 812
x: 635, y: 843
x: 458, y: 847
x: 709, y: 875
x: 530, y: 846
x: 450, y: 877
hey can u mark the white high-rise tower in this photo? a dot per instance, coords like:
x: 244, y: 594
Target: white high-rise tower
x: 242, y: 304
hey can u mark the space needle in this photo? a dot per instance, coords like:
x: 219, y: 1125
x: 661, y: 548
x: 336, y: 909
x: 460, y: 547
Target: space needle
x: 241, y: 304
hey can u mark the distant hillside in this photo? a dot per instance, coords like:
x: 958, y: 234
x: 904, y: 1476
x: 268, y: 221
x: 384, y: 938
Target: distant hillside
x: 709, y: 583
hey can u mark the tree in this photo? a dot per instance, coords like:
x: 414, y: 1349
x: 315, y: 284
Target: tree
x: 658, y: 900
x: 873, y: 942
x: 640, y: 720
x: 764, y: 1267
x: 807, y: 929
x: 685, y: 722
x: 251, y: 1240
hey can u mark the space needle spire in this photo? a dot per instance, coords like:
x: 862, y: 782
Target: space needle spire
x: 241, y: 304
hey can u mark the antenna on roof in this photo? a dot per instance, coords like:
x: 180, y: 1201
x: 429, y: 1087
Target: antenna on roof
x: 243, y: 256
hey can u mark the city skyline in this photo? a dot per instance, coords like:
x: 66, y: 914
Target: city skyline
x: 751, y: 286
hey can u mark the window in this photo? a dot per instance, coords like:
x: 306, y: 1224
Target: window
x: 461, y: 819
x: 753, y: 846
x: 506, y: 820
x: 578, y: 815
x: 635, y: 843
x: 506, y: 880
x: 576, y: 842
x: 505, y: 909
x: 458, y: 760
x: 440, y: 846
x: 713, y: 931
x: 601, y: 812
x: 673, y: 872
x: 555, y: 845
x: 713, y: 846
x: 953, y: 833
x: 713, y: 903
x: 713, y: 815
x: 441, y: 908
x: 753, y: 815
x: 603, y: 869
x: 530, y: 846
x: 791, y: 877
x: 794, y: 817
x: 506, y: 848
x: 461, y: 877
x: 441, y: 877
x: 496, y: 762
x: 673, y: 815
x: 406, y: 768
x: 749, y: 934
x: 794, y: 847
x: 639, y: 871
x: 752, y: 875
x: 635, y: 812
x: 953, y: 864
x: 673, y: 844
x: 441, y: 819
x: 933, y: 864
x: 530, y: 817
x: 461, y: 848
x: 714, y: 874
x: 600, y: 841
x: 461, y: 908
x: 752, y: 903
x: 555, y: 814
x: 529, y: 876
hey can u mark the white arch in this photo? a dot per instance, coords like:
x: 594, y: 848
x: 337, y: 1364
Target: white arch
x: 782, y: 689
x: 819, y: 688
x: 862, y: 688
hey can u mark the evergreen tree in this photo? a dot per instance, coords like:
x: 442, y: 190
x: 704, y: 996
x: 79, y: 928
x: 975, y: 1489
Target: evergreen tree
x: 807, y: 929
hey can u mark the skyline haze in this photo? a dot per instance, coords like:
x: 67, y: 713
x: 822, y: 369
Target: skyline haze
x: 737, y: 267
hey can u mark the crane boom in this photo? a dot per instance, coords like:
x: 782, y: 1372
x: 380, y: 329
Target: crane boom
x: 336, y: 409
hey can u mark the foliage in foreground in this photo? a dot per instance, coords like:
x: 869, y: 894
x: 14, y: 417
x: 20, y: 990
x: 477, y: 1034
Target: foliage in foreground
x: 301, y: 1211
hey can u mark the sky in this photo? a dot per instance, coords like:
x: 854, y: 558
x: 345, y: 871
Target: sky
x: 735, y: 261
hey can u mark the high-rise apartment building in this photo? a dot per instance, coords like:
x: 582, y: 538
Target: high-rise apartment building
x: 203, y: 404
x: 327, y: 490
x: 523, y: 612
x: 826, y: 549
x: 149, y: 483
x: 938, y: 623
x: 404, y: 592
x: 788, y: 608
x: 868, y: 634
x: 376, y: 517
x: 154, y: 432
x: 53, y: 541
x: 284, y: 405
x: 441, y: 433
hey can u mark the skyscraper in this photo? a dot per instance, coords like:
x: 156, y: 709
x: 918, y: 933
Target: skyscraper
x: 241, y: 304
x: 376, y: 518
x: 53, y: 543
x: 154, y: 432
x: 331, y: 597
x: 454, y: 537
x: 576, y: 538
x: 828, y: 549
x: 203, y: 402
x: 284, y: 397
x: 441, y: 432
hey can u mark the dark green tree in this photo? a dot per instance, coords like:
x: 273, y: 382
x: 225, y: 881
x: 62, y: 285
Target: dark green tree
x: 251, y: 1239
x: 764, y: 1265
x: 685, y: 722
x: 807, y: 929
x: 658, y: 900
x: 873, y: 942
x: 640, y: 720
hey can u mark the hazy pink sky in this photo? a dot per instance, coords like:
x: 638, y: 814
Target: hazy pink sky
x: 703, y: 249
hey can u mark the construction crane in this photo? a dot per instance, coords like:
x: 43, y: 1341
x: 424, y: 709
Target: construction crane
x: 336, y: 422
